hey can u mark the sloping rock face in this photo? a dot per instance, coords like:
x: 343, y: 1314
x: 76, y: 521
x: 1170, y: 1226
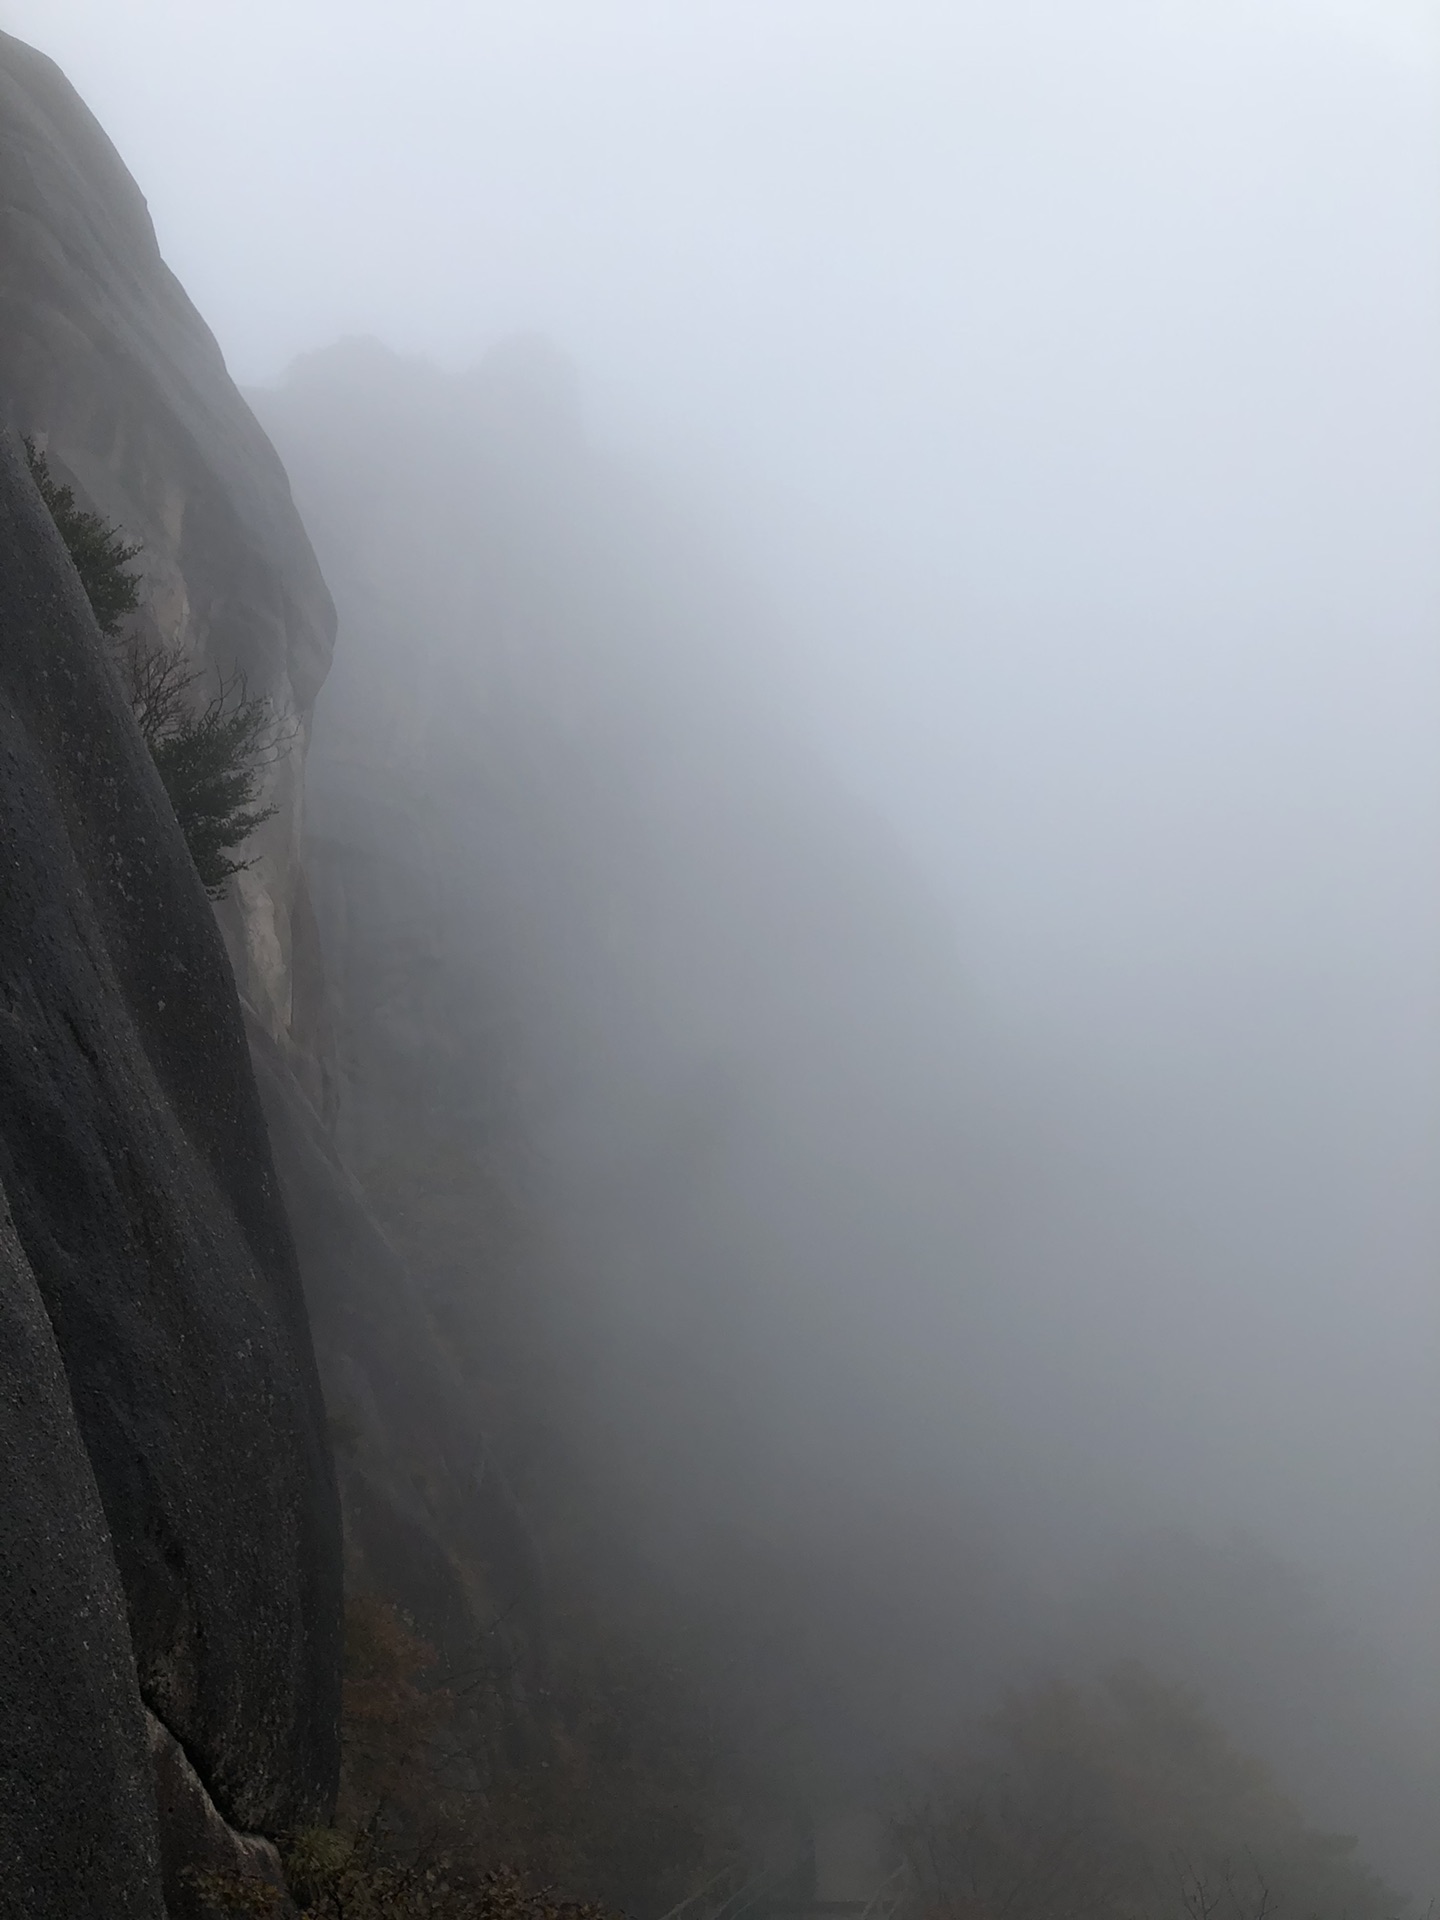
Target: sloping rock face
x: 151, y: 1246
x: 107, y: 364
x: 77, y: 1820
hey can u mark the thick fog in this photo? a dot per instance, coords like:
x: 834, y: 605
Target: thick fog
x: 1056, y: 389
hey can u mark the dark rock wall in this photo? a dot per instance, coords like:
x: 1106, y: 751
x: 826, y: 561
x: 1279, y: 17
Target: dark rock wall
x: 77, y: 1821
x: 138, y: 1172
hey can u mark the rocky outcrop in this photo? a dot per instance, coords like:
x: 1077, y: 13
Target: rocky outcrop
x: 158, y: 1261
x: 107, y: 364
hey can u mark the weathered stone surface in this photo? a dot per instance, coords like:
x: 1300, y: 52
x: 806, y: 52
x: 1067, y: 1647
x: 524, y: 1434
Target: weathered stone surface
x: 137, y: 1167
x: 77, y: 1823
x: 106, y: 362
x: 203, y: 1858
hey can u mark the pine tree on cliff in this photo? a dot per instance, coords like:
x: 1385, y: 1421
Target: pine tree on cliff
x: 101, y: 553
x: 210, y: 752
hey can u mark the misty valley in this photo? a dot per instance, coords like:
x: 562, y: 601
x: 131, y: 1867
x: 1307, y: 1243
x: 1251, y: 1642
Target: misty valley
x: 718, y: 1197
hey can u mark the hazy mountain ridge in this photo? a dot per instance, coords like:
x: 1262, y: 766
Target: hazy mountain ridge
x: 652, y: 1050
x: 658, y: 1060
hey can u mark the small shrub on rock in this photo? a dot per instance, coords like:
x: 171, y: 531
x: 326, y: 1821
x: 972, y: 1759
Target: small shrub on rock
x: 211, y: 750
x: 210, y: 754
x: 101, y: 553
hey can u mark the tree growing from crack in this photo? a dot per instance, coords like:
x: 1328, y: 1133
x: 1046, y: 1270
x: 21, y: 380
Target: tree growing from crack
x: 210, y: 748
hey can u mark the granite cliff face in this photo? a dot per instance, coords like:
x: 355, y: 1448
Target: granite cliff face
x: 77, y: 1818
x: 173, y: 1577
x: 107, y: 364
x: 171, y: 1593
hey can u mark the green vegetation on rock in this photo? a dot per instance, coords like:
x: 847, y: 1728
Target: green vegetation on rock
x: 210, y: 751
x: 101, y: 553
